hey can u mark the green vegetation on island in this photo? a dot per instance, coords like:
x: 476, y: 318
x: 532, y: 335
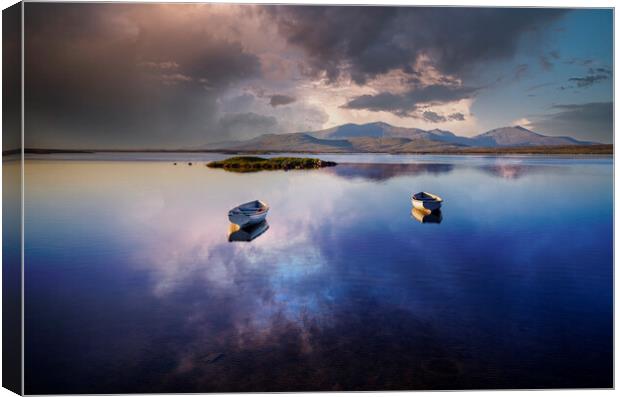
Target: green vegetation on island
x: 250, y: 163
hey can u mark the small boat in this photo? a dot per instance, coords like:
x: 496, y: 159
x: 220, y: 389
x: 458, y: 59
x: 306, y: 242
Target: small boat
x: 426, y: 216
x: 247, y: 233
x: 249, y: 213
x: 426, y: 201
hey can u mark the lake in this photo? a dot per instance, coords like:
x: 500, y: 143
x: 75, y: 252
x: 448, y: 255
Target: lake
x: 132, y: 285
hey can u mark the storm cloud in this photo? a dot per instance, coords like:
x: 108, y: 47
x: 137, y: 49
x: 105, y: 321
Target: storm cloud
x: 122, y: 75
x: 246, y: 125
x: 588, y: 121
x: 110, y: 75
x: 456, y: 117
x: 279, y: 100
x: 594, y: 76
x: 364, y: 42
x: 405, y: 104
x: 433, y: 117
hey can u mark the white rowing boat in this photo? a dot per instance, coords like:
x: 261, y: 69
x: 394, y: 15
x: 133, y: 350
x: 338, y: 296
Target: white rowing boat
x: 249, y: 213
x: 426, y: 201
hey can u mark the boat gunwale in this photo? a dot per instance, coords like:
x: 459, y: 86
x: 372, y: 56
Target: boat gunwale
x: 432, y: 198
x: 263, y: 207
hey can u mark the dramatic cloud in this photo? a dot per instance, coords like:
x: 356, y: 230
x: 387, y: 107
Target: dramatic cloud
x: 278, y: 100
x: 588, y: 121
x: 254, y: 116
x: 11, y: 83
x: 364, y: 42
x: 122, y: 75
x: 404, y: 104
x: 245, y: 125
x: 109, y: 75
x: 456, y: 117
x: 594, y: 76
x: 433, y: 117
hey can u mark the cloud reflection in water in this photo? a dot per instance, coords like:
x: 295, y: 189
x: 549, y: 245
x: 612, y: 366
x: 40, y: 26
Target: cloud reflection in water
x: 344, y: 291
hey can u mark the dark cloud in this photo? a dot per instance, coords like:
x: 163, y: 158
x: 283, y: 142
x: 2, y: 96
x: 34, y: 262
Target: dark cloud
x: 589, y: 80
x: 161, y: 75
x: 404, y: 104
x: 239, y: 103
x: 433, y: 117
x: 278, y: 100
x: 587, y: 121
x: 368, y: 41
x: 602, y: 70
x: 246, y: 125
x: 110, y: 75
x: 594, y: 76
x: 456, y: 117
x: 11, y: 82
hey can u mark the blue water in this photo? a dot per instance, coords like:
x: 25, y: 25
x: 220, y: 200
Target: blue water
x: 132, y: 285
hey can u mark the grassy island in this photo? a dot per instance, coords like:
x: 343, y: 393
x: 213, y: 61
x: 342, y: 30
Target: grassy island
x: 249, y: 163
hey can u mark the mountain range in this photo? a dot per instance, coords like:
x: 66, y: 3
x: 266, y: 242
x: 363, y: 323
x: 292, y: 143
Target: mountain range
x: 382, y: 137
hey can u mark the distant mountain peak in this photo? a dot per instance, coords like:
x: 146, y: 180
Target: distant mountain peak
x: 382, y: 137
x: 520, y: 136
x: 379, y: 123
x: 442, y: 132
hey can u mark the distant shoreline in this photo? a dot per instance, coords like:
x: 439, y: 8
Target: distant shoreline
x: 534, y: 150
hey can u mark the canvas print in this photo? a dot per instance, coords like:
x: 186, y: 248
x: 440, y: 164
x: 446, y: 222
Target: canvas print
x: 268, y: 198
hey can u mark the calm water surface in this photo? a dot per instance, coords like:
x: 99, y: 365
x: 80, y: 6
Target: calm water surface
x: 132, y: 286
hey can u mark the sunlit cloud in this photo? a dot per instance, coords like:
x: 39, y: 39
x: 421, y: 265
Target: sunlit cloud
x: 306, y: 67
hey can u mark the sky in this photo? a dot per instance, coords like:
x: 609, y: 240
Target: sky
x: 173, y: 76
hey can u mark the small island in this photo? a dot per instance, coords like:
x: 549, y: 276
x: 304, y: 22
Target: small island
x: 251, y: 164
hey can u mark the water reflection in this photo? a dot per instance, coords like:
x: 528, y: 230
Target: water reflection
x: 500, y: 168
x: 515, y: 170
x: 337, y: 295
x: 383, y: 172
x: 426, y: 216
x: 352, y: 349
x: 247, y: 233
